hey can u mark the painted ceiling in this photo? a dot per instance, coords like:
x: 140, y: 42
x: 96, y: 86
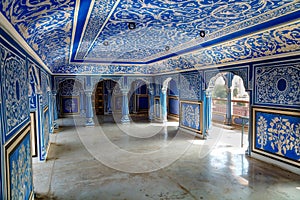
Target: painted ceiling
x: 92, y: 36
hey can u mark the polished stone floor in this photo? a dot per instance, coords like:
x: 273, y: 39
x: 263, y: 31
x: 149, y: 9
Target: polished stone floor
x: 152, y: 161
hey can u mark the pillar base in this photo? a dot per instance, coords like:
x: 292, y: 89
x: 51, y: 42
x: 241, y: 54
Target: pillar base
x: 125, y: 120
x: 55, y: 125
x: 165, y: 120
x: 51, y: 129
x: 90, y: 122
x: 82, y: 113
x: 151, y: 117
x: 228, y: 122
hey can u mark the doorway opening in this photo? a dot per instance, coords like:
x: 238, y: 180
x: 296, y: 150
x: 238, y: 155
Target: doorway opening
x: 139, y: 102
x: 230, y: 108
x: 173, y: 101
x: 105, y: 101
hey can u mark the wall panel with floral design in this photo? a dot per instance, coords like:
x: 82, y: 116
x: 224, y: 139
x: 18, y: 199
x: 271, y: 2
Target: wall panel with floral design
x: 191, y: 116
x: 276, y: 111
x: 14, y: 115
x: 277, y: 134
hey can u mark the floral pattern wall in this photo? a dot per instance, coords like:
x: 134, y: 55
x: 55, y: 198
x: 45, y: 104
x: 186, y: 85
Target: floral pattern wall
x: 15, y: 90
x: 276, y: 133
x: 15, y: 115
x: 34, y: 84
x: 21, y: 170
x: 45, y: 87
x: 278, y: 84
x: 191, y: 116
x: 191, y: 84
x: 44, y: 140
x: 69, y: 92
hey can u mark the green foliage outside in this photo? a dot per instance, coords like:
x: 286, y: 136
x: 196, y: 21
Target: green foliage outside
x: 241, y: 104
x: 235, y: 92
x: 219, y: 91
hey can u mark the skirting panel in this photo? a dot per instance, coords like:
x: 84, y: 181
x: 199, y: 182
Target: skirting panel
x: 19, y: 166
x: 276, y: 134
x: 191, y: 116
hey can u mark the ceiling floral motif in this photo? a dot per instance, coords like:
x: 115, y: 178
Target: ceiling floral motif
x: 272, y: 42
x: 92, y: 36
x: 176, y: 23
x: 45, y: 25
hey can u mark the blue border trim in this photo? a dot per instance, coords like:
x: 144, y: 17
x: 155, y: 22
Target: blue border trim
x: 81, y: 18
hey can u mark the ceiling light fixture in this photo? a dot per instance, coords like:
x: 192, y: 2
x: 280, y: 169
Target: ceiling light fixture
x: 105, y: 43
x: 202, y: 33
x: 131, y: 25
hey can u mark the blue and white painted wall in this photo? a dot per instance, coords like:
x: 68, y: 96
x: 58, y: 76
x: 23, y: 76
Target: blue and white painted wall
x: 276, y: 111
x: 16, y: 165
x: 26, y: 117
x: 180, y: 95
x: 40, y: 98
x: 70, y: 91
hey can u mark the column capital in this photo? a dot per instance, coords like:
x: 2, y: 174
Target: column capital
x: 88, y: 92
x: 125, y: 91
x: 208, y: 93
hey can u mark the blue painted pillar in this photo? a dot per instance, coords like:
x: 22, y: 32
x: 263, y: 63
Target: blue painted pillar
x: 54, y: 102
x: 89, y: 109
x: 250, y: 124
x: 209, y: 109
x: 109, y: 97
x: 151, y: 109
x: 50, y: 100
x: 228, y: 120
x: 55, y: 111
x: 204, y: 114
x: 134, y: 99
x: 41, y: 136
x: 164, y: 104
x: 82, y: 104
x: 125, y: 108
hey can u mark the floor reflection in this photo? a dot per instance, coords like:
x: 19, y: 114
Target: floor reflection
x: 186, y: 167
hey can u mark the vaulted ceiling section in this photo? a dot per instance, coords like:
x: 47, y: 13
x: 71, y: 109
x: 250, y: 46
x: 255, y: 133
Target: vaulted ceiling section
x: 93, y: 36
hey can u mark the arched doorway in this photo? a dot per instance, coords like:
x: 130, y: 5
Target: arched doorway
x: 229, y: 106
x: 139, y: 102
x: 170, y: 100
x: 105, y: 100
x: 173, y: 101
